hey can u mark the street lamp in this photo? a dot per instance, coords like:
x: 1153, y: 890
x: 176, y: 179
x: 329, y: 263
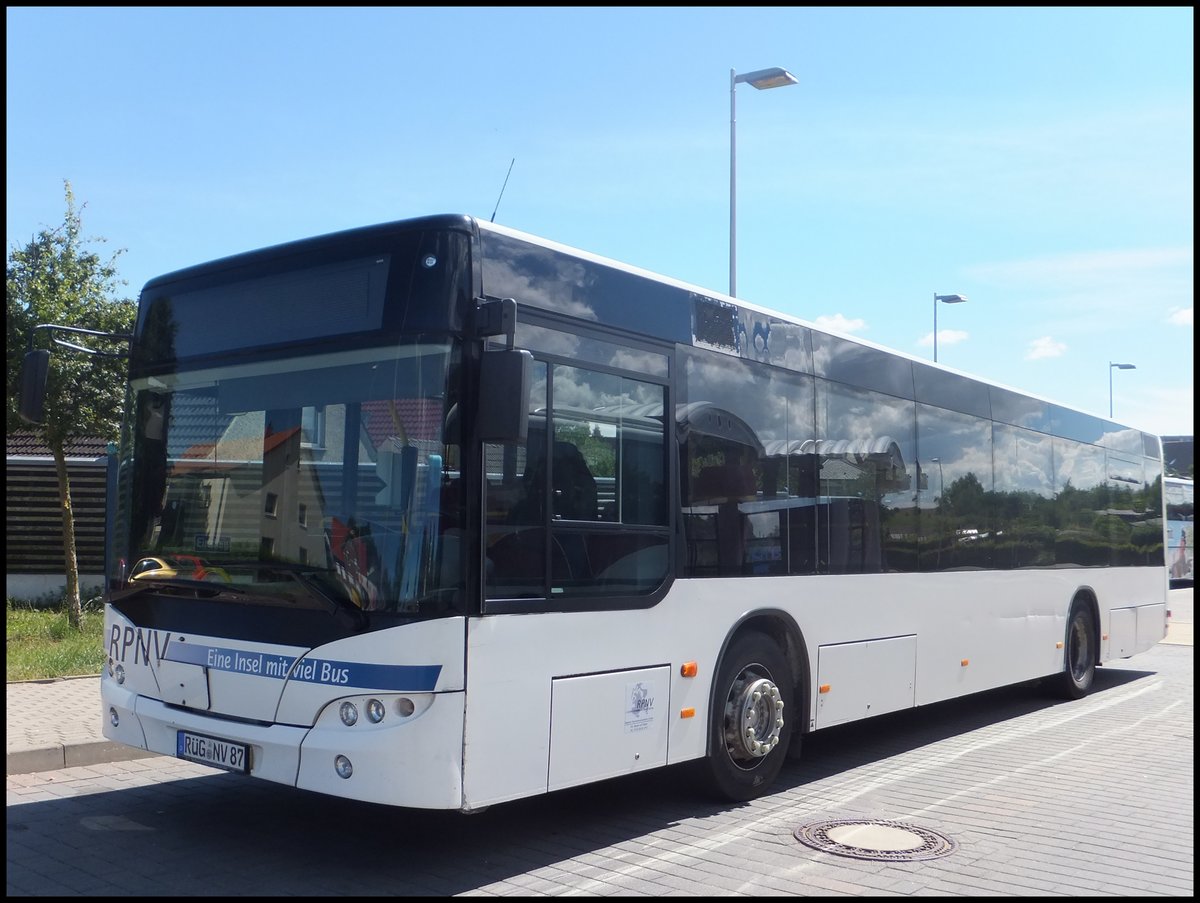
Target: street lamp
x: 1111, y: 368
x: 760, y: 79
x: 945, y: 299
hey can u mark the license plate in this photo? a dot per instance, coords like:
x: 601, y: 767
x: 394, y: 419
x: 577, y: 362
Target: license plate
x: 214, y: 752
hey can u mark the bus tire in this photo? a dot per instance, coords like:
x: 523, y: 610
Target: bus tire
x: 1080, y: 655
x: 749, y: 733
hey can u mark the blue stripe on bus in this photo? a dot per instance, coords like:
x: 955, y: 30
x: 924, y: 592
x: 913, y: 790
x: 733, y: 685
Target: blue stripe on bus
x: 410, y: 678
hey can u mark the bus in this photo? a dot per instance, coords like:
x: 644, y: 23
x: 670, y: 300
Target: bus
x: 493, y: 517
x: 1181, y: 537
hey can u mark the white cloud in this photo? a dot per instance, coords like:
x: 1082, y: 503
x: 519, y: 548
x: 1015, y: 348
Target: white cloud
x: 1161, y: 410
x: 840, y: 323
x: 1078, y: 290
x: 1180, y: 317
x: 1045, y: 347
x: 1090, y: 268
x: 945, y: 337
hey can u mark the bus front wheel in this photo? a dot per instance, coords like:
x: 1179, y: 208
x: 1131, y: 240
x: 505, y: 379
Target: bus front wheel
x: 749, y: 731
x: 1080, y: 655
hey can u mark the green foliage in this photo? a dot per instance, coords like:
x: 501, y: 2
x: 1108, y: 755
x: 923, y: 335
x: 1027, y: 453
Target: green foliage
x: 41, y: 643
x: 55, y: 278
x: 597, y: 451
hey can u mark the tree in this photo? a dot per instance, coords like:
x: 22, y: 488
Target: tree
x: 56, y: 279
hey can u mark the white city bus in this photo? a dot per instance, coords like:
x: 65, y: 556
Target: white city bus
x: 478, y: 517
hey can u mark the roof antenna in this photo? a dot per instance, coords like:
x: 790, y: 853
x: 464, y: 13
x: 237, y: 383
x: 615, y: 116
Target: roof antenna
x: 502, y: 187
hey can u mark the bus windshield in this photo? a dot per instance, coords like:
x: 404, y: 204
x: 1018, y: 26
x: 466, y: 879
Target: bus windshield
x: 325, y: 479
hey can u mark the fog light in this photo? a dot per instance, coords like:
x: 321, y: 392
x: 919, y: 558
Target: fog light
x: 120, y: 672
x: 113, y: 717
x: 375, y: 711
x: 405, y: 706
x: 343, y: 767
x: 349, y: 713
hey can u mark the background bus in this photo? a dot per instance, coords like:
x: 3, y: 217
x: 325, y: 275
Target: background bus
x: 1181, y: 538
x: 501, y: 517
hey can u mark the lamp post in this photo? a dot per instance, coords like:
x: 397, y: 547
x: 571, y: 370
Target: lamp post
x: 760, y: 79
x: 944, y: 299
x: 1111, y: 368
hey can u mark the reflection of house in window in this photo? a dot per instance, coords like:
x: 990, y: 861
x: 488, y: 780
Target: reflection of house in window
x: 303, y: 515
x: 271, y: 508
x: 312, y: 427
x: 266, y: 547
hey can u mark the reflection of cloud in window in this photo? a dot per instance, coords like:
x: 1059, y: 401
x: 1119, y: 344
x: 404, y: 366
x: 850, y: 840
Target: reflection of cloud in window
x: 789, y: 347
x: 1124, y: 440
x: 961, y: 445
x: 1082, y: 465
x: 551, y: 341
x: 638, y: 361
x: 958, y: 462
x: 562, y: 344
x: 542, y: 278
x: 1124, y: 470
x: 1023, y: 462
x: 586, y: 390
x: 775, y: 407
x: 845, y: 413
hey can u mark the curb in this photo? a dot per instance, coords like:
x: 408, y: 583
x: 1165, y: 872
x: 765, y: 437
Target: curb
x: 70, y: 755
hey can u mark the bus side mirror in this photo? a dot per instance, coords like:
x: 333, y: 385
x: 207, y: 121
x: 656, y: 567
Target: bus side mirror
x: 31, y: 404
x: 504, y: 382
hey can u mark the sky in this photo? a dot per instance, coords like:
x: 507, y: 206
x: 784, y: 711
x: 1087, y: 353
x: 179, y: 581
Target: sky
x: 1038, y: 161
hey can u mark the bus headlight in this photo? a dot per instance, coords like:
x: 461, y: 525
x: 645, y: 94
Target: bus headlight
x: 375, y: 711
x: 343, y: 767
x: 379, y: 712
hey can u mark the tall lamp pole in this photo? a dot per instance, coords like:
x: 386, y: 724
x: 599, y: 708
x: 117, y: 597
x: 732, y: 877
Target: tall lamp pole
x: 941, y: 479
x: 1111, y: 368
x: 760, y: 79
x: 944, y: 299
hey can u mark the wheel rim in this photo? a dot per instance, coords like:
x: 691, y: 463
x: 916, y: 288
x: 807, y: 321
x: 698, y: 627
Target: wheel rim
x: 753, y: 717
x: 1080, y: 649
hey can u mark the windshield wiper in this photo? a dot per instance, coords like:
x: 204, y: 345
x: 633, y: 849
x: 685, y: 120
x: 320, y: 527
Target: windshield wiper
x: 198, y: 588
x: 308, y: 578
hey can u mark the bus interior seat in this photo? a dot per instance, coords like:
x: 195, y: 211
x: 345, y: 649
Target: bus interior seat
x: 575, y: 496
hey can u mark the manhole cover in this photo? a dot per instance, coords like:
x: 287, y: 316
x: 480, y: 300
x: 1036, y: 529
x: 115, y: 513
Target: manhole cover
x: 885, y: 841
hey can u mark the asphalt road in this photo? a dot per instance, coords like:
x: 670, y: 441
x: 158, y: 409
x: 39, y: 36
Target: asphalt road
x: 1031, y: 796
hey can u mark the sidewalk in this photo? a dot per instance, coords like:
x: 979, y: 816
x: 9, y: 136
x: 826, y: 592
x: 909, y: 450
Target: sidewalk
x: 54, y: 724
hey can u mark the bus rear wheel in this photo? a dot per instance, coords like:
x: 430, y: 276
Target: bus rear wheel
x: 1080, y: 655
x: 749, y: 733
